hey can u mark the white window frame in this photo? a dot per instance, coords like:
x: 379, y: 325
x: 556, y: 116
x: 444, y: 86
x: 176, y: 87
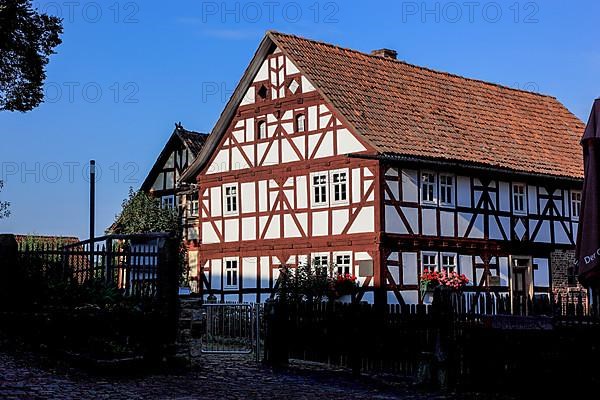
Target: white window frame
x: 168, y: 202
x: 313, y: 202
x: 317, y: 262
x: 523, y: 195
x: 443, y: 187
x: 429, y: 184
x: 347, y: 266
x: 261, y: 135
x: 300, y: 118
x: 333, y: 185
x: 575, y: 204
x: 226, y: 196
x: 430, y: 254
x: 194, y: 208
x: 235, y: 276
x: 446, y: 266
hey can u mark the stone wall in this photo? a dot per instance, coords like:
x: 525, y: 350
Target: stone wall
x: 563, y: 280
x: 8, y: 259
x: 189, y: 325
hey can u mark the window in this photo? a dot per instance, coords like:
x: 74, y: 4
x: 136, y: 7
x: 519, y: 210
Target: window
x: 342, y: 263
x: 182, y: 158
x: 168, y: 202
x: 230, y: 205
x: 321, y: 263
x: 294, y: 86
x: 262, y: 92
x: 428, y: 186
x: 194, y: 207
x: 339, y: 184
x: 319, y: 185
x: 447, y: 190
x: 261, y: 130
x: 575, y: 204
x: 429, y: 261
x: 231, y: 273
x: 300, y: 123
x: 192, y: 233
x: 519, y: 198
x: 449, y: 262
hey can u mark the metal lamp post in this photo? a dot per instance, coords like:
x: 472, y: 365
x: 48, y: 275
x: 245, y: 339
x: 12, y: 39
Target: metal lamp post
x: 92, y: 208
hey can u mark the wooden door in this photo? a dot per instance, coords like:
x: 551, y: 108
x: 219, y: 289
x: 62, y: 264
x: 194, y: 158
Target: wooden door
x: 520, y: 284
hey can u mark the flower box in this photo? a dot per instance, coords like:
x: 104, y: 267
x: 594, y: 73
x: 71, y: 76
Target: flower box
x: 430, y: 280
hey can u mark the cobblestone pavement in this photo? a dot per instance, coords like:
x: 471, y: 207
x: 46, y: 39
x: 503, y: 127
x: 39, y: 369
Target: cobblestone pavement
x: 23, y: 376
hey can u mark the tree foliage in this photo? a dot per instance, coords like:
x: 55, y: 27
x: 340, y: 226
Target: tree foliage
x: 141, y: 213
x: 4, y: 205
x: 27, y: 39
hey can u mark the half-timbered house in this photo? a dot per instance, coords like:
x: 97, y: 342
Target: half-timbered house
x: 329, y: 155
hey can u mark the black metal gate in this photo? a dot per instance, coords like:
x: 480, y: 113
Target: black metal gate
x: 231, y: 328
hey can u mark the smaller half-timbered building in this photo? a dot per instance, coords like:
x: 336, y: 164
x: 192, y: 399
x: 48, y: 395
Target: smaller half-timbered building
x: 164, y: 179
x: 333, y: 156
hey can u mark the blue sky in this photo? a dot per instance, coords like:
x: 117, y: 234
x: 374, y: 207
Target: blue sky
x: 128, y: 70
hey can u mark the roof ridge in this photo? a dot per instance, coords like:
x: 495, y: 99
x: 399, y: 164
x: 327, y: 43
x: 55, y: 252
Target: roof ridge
x: 181, y: 129
x: 195, y: 132
x: 274, y: 32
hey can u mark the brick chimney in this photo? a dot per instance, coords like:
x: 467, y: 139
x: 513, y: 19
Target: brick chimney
x: 385, y: 53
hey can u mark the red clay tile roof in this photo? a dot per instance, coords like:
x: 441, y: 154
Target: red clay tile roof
x: 409, y: 110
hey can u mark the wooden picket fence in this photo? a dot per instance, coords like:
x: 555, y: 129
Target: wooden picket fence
x: 358, y: 336
x: 486, y: 347
x: 490, y: 303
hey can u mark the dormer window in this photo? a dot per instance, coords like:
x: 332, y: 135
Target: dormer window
x: 261, y: 130
x: 300, y: 123
x: 262, y: 92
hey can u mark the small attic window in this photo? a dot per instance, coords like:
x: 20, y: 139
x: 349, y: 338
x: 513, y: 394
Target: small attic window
x: 261, y: 130
x: 262, y: 92
x: 300, y: 123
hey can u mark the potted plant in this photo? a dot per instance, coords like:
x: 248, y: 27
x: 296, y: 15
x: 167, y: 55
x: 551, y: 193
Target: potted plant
x: 344, y: 287
x: 429, y: 280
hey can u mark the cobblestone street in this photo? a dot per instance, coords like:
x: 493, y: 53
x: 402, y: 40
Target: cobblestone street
x: 23, y: 376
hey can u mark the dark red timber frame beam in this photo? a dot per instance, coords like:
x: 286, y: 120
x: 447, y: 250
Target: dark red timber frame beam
x: 280, y: 174
x: 283, y: 251
x: 380, y: 257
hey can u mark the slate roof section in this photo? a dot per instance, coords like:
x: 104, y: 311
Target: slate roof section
x: 194, y: 141
x: 403, y: 109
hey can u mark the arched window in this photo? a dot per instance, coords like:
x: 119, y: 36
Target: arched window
x: 261, y: 130
x: 300, y: 123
